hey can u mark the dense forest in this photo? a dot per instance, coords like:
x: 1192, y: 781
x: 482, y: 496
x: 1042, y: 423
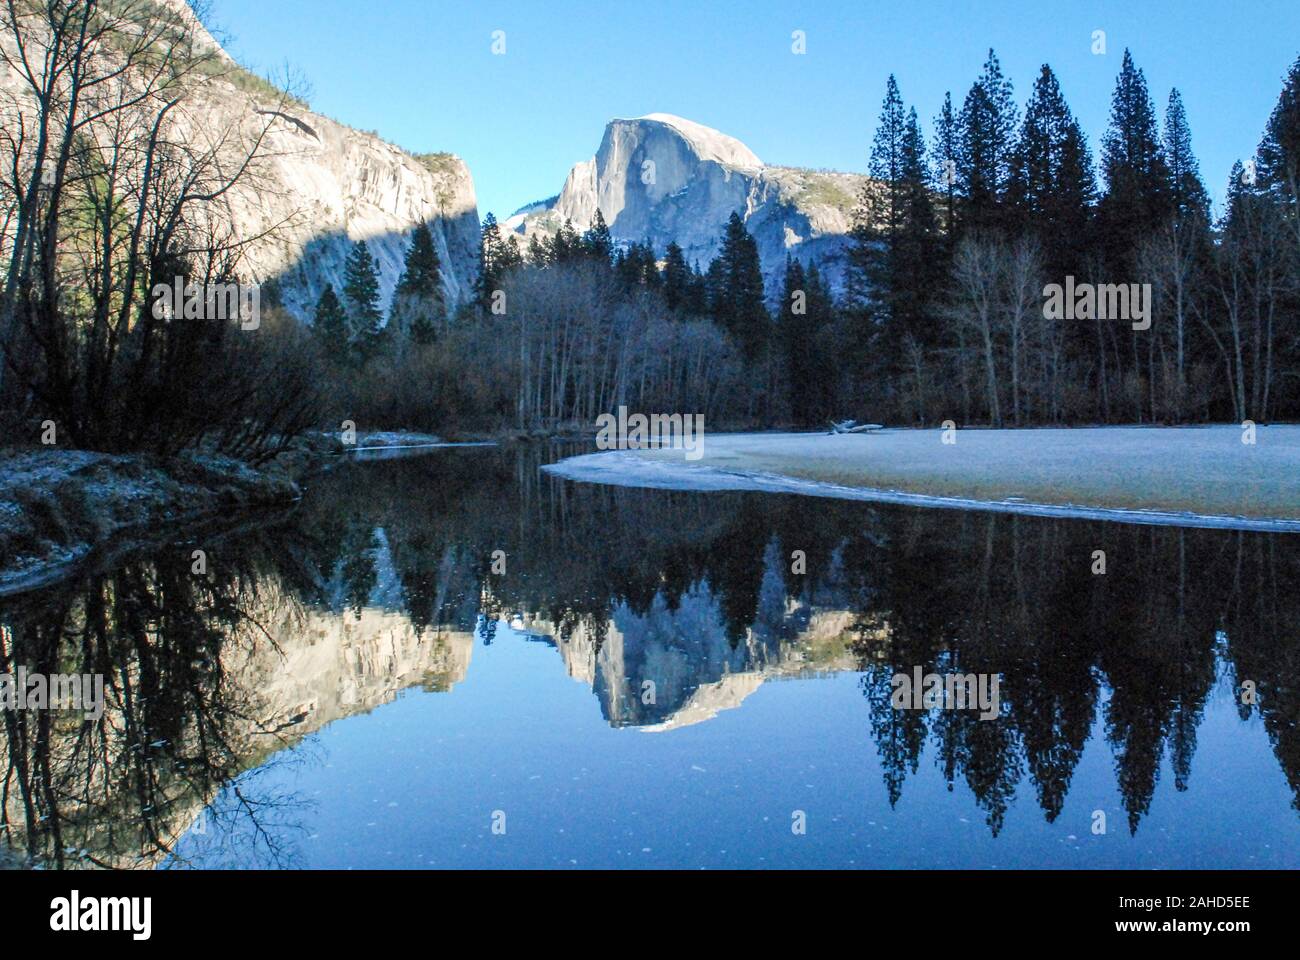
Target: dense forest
x: 941, y: 314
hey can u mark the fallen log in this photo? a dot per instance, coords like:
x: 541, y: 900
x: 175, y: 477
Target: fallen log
x: 852, y: 426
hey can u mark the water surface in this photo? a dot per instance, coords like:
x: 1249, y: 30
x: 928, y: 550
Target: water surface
x: 452, y: 659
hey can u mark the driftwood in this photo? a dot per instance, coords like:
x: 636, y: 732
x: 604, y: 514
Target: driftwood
x: 852, y: 426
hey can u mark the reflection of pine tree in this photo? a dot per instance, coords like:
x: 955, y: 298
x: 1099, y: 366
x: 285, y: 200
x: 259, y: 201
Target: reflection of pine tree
x: 1260, y: 628
x: 1054, y: 700
x: 735, y: 569
x: 358, y: 571
x: 899, y: 734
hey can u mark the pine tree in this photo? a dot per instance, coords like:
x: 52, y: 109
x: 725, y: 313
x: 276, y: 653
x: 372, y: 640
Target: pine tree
x: 497, y: 257
x: 596, y: 241
x: 697, y: 294
x: 1137, y: 199
x: 895, y: 252
x: 987, y: 136
x: 677, y: 278
x: 566, y: 245
x: 823, y: 357
x: 797, y: 343
x: 419, y: 308
x: 915, y: 251
x: 943, y: 157
x: 887, y: 152
x: 739, y: 306
x: 650, y: 275
x: 489, y: 269
x: 879, y: 211
x: 1187, y: 193
x: 330, y: 325
x: 361, y: 294
x: 1051, y: 186
x: 714, y: 285
x: 1278, y: 157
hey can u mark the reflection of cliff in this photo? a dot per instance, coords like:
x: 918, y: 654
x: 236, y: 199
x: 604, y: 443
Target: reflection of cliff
x: 673, y: 665
x: 269, y: 671
x: 321, y: 666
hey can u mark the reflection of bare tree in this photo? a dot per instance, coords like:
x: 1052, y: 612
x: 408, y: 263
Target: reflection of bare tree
x: 250, y: 824
x: 118, y: 790
x: 208, y: 678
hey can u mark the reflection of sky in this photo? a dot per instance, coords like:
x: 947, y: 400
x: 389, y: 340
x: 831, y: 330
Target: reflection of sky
x: 415, y: 784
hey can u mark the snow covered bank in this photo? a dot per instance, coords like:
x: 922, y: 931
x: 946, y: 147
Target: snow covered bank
x: 1188, y: 476
x: 386, y: 446
x: 386, y: 439
x: 58, y: 506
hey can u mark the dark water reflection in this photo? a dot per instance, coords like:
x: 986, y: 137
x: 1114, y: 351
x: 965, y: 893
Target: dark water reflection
x: 356, y: 685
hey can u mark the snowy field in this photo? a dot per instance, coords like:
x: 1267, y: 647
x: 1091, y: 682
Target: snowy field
x: 1194, y: 476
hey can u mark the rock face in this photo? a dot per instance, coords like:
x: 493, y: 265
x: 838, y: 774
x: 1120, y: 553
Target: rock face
x: 336, y: 185
x: 328, y: 185
x: 662, y: 178
x: 321, y: 185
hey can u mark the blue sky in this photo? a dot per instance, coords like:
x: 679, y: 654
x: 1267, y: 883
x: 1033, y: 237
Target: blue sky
x: 422, y: 72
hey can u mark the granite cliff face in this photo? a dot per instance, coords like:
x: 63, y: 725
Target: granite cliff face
x: 336, y: 185
x: 330, y: 185
x: 325, y: 185
x: 662, y: 178
x: 318, y: 186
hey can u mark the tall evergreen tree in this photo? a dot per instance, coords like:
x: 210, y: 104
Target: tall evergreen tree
x: 887, y: 153
x: 697, y: 294
x: 825, y: 375
x: 636, y: 266
x: 677, y: 277
x: 914, y: 271
x: 1051, y: 187
x: 596, y: 241
x: 879, y: 211
x: 330, y: 325
x: 943, y: 158
x: 419, y: 308
x: 1137, y: 199
x: 795, y: 341
x: 1187, y: 193
x: 566, y: 245
x: 739, y: 306
x: 987, y: 137
x: 361, y: 295
x: 1278, y: 159
x: 714, y: 285
x: 803, y: 318
x: 497, y: 256
x: 895, y: 250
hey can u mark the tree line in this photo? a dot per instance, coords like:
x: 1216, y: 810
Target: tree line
x: 957, y: 247
x: 944, y: 310
x: 112, y: 185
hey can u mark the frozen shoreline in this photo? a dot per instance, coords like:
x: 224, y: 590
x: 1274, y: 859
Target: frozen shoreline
x: 1186, y: 476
